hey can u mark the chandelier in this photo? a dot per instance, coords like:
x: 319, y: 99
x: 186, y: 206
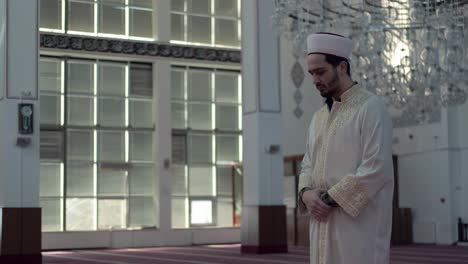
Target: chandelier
x: 413, y: 53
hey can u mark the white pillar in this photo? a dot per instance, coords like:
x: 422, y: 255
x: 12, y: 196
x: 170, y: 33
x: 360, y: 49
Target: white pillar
x: 162, y: 94
x: 20, y: 216
x: 264, y: 215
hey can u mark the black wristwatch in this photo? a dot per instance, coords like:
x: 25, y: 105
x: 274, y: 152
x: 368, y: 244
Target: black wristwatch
x: 327, y: 199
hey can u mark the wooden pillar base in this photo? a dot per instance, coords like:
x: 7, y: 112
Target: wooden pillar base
x: 264, y: 229
x: 20, y: 237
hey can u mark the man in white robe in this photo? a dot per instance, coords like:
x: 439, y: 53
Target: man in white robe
x: 346, y: 182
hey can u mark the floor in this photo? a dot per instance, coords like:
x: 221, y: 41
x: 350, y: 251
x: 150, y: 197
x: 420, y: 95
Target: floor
x: 229, y: 254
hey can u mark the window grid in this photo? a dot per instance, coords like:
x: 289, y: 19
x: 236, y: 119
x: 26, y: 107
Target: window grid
x: 98, y: 13
x: 213, y: 17
x: 212, y: 133
x: 98, y: 167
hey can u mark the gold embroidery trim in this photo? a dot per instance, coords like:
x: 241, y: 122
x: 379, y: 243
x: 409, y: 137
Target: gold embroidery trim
x: 323, y: 235
x: 350, y: 195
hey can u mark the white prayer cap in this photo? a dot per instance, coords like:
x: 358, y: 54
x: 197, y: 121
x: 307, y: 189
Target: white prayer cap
x: 329, y: 43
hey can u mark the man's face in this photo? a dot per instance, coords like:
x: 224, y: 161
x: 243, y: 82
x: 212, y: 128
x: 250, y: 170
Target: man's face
x: 325, y: 75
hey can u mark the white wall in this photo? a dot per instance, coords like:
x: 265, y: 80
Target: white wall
x: 294, y: 129
x: 139, y: 238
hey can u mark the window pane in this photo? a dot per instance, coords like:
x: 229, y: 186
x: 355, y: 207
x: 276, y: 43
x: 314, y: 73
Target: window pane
x: 51, y: 214
x: 112, y: 17
x: 179, y: 212
x: 141, y: 180
x: 225, y: 212
x: 112, y: 182
x: 227, y: 148
x: 51, y: 145
x: 199, y: 29
x: 142, y: 212
x: 201, y: 181
x: 141, y: 146
x: 51, y: 14
x: 112, y: 146
x: 226, y: 8
x: 49, y: 76
x: 199, y: 6
x: 141, y: 113
x: 80, y: 214
x: 177, y: 83
x: 141, y: 3
x: 202, y: 212
x: 178, y: 115
x: 227, y: 89
x: 112, y: 112
x: 80, y: 16
x: 80, y: 145
x: 80, y: 111
x: 141, y: 80
x: 141, y: 22
x: 227, y: 117
x: 80, y: 77
x: 50, y: 109
x: 51, y: 182
x: 179, y: 149
x: 200, y: 116
x: 224, y: 180
x: 199, y: 85
x: 177, y: 27
x: 79, y: 179
x: 112, y: 214
x: 111, y: 79
x: 178, y: 5
x: 200, y: 149
x: 227, y: 32
x: 179, y: 180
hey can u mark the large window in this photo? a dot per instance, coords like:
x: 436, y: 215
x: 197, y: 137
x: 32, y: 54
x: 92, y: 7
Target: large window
x: 106, y: 18
x: 206, y: 143
x: 97, y: 151
x: 206, y: 22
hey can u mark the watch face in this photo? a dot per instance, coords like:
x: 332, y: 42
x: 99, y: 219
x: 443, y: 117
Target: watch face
x: 26, y: 110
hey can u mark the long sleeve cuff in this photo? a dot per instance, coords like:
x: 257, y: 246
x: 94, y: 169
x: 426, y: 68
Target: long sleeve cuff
x: 302, y: 207
x: 350, y: 195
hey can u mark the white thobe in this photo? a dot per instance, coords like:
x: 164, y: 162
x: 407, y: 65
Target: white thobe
x: 349, y: 153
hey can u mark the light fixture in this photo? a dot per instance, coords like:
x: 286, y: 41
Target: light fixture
x: 413, y: 53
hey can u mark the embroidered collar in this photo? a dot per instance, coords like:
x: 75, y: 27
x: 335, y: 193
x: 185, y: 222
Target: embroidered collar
x: 349, y: 93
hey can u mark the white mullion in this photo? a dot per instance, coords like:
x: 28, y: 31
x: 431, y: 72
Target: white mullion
x: 127, y: 79
x: 214, y: 180
x: 240, y: 148
x: 186, y: 97
x: 63, y: 14
x: 62, y: 92
x: 62, y: 179
x: 127, y: 19
x: 239, y: 32
x: 213, y: 103
x: 95, y: 142
x: 185, y: 11
x: 95, y: 182
x: 127, y: 146
x: 239, y: 91
x: 95, y: 18
x: 213, y: 19
x: 95, y: 87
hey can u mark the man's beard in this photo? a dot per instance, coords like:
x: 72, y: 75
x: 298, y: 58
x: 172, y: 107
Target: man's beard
x: 334, y: 84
